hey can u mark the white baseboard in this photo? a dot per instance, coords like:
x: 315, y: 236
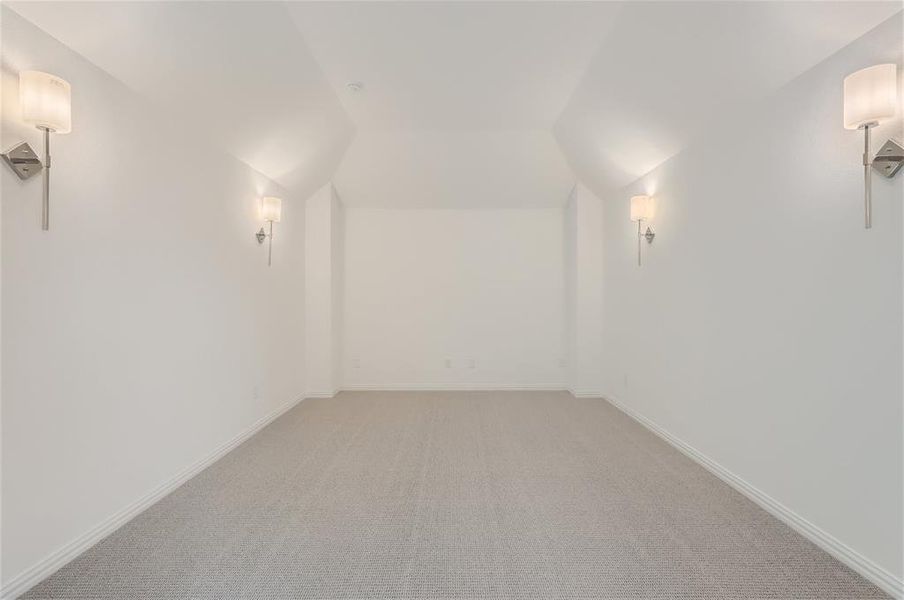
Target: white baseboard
x: 451, y: 387
x: 321, y: 394
x: 585, y: 393
x: 49, y: 565
x: 847, y: 555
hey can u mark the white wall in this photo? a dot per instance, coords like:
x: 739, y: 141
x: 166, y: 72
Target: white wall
x: 427, y: 286
x: 144, y: 330
x: 584, y: 297
x: 441, y: 169
x: 269, y: 104
x: 324, y: 291
x: 570, y: 275
x: 337, y: 300
x: 765, y: 327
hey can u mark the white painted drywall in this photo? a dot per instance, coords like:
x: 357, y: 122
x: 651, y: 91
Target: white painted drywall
x: 427, y: 286
x: 691, y: 67
x: 419, y: 74
x: 454, y: 169
x: 569, y: 256
x: 337, y: 283
x: 765, y: 327
x: 269, y: 104
x: 144, y: 330
x: 584, y: 298
x: 324, y: 291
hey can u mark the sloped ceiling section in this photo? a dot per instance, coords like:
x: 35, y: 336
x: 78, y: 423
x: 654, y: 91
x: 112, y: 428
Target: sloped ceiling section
x: 448, y: 169
x: 464, y: 104
x: 458, y: 98
x: 668, y: 71
x: 238, y: 73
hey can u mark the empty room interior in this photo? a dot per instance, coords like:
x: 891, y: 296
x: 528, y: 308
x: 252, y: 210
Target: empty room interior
x: 452, y: 300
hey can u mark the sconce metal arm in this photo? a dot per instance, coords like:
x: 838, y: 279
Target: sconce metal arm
x: 270, y: 249
x: 263, y: 235
x: 648, y: 235
x: 867, y: 182
x: 45, y: 203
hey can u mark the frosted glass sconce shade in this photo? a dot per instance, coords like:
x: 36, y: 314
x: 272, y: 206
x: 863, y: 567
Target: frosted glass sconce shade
x: 641, y: 208
x: 46, y: 101
x: 870, y: 96
x: 271, y: 209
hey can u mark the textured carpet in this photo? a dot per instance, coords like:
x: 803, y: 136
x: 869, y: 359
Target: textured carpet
x: 497, y: 495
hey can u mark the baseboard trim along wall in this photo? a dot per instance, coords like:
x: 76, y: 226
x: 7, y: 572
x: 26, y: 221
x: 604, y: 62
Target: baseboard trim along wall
x: 321, y: 394
x: 451, y: 387
x: 586, y: 393
x: 56, y: 560
x: 850, y: 557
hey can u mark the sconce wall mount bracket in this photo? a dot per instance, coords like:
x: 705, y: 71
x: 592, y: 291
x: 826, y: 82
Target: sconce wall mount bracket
x: 23, y: 161
x: 648, y: 235
x: 890, y: 158
x: 263, y: 235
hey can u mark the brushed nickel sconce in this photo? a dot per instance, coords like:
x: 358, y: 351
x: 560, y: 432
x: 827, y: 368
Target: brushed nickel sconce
x: 642, y: 209
x: 46, y: 102
x: 271, y: 210
x: 870, y: 98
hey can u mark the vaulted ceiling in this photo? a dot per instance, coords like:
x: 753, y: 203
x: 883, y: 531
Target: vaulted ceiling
x: 668, y: 71
x: 238, y: 73
x: 462, y: 104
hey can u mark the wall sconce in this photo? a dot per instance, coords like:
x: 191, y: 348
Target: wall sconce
x: 46, y: 103
x: 271, y: 210
x: 642, y: 209
x: 870, y: 98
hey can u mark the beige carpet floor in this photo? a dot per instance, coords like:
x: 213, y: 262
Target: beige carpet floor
x: 497, y: 495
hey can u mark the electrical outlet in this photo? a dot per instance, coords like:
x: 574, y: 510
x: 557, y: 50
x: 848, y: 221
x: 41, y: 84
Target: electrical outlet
x: 626, y: 381
x: 562, y: 363
x: 448, y: 363
x: 472, y: 364
x: 356, y: 363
